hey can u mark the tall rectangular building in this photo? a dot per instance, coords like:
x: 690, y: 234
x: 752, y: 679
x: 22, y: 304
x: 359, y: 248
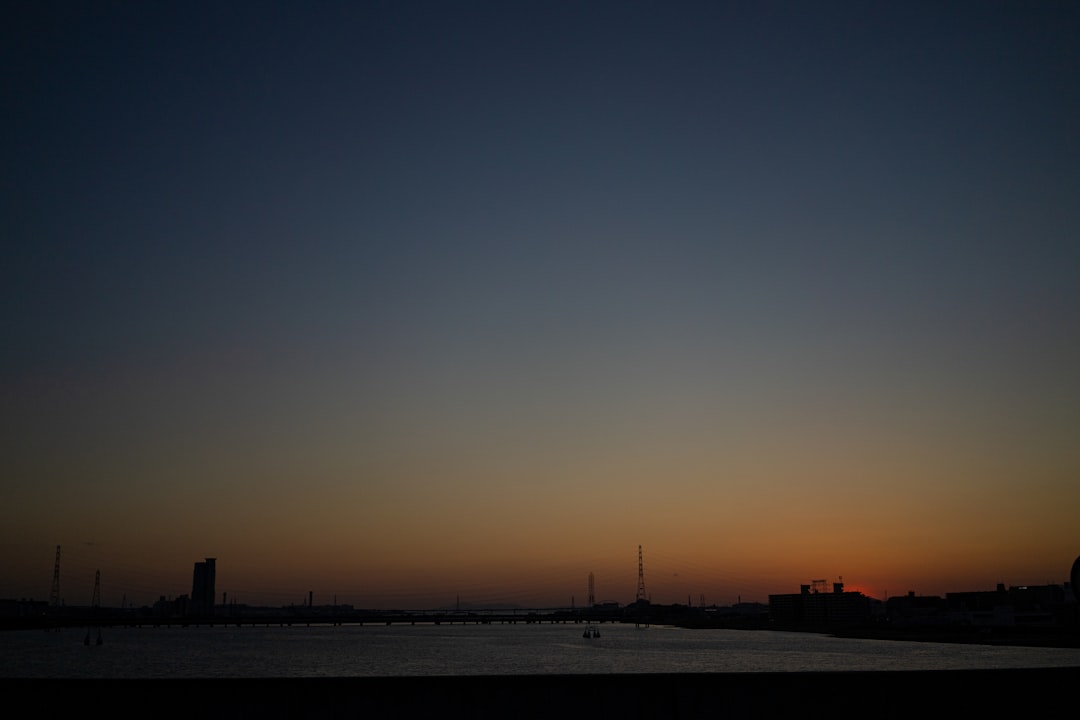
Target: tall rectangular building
x: 202, y: 588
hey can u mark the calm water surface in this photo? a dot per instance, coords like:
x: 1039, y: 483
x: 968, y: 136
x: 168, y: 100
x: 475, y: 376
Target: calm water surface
x: 352, y: 651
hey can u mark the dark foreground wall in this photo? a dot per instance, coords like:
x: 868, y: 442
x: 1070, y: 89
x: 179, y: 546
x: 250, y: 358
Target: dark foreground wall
x: 909, y: 695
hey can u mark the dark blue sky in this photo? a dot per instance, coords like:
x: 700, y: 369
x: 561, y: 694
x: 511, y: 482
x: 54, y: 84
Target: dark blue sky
x: 379, y: 245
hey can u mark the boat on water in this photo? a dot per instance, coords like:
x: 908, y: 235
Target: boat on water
x: 591, y: 632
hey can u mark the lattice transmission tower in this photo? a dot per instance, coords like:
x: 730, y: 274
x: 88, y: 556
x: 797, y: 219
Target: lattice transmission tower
x: 642, y: 598
x: 95, y: 601
x: 54, y: 594
x: 592, y: 591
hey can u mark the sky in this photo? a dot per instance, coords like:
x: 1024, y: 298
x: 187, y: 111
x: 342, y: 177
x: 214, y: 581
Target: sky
x: 410, y: 303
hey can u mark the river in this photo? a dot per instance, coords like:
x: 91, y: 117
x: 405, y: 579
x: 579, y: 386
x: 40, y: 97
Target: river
x: 357, y: 651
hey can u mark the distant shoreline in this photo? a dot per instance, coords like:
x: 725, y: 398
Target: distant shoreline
x: 1011, y: 636
x: 1047, y: 636
x: 1066, y: 637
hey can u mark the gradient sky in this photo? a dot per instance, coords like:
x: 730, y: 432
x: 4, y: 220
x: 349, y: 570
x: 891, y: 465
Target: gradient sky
x: 400, y: 302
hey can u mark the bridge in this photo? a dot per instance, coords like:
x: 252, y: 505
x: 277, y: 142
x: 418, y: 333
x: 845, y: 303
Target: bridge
x: 103, y: 617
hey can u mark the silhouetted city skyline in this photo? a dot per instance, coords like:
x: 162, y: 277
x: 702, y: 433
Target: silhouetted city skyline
x: 819, y: 603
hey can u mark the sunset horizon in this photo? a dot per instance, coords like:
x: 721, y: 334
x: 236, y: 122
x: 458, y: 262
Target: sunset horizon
x: 410, y: 303
x: 669, y: 580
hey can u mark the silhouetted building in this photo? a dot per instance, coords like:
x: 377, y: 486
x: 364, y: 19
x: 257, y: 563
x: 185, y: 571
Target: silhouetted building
x: 1018, y: 606
x: 1025, y: 605
x: 912, y: 609
x: 179, y: 607
x: 23, y: 608
x: 202, y: 588
x: 818, y: 609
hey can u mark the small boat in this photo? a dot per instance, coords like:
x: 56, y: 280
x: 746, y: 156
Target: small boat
x: 590, y: 632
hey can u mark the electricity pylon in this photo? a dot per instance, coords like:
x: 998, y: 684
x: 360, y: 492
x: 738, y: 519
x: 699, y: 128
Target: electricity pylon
x: 640, y: 577
x: 54, y: 594
x: 642, y: 599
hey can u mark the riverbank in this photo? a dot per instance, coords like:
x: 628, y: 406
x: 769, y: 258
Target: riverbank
x: 1049, y: 636
x: 728, y: 695
x: 1013, y: 636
